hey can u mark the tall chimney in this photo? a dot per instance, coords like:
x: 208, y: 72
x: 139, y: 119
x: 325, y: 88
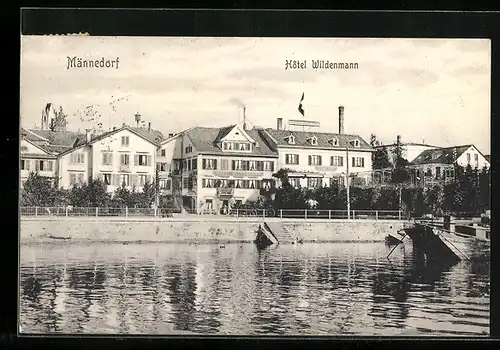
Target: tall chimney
x: 341, y: 119
x: 149, y: 126
x: 88, y: 136
x: 244, y: 118
x: 137, y: 118
x: 279, y: 124
x: 398, y: 140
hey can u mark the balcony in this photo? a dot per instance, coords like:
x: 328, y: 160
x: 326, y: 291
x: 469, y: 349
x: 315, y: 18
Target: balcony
x: 222, y: 191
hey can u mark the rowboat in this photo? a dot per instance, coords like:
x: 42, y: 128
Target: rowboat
x: 394, y: 238
x: 441, y: 244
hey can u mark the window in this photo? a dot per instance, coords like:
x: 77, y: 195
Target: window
x: 125, y: 140
x: 72, y: 179
x: 236, y: 146
x: 314, y: 141
x: 291, y: 159
x: 142, y: 179
x: 468, y: 158
x: 194, y: 163
x: 356, y: 143
x: 238, y: 184
x: 124, y: 159
x: 124, y: 179
x: 142, y: 159
x: 334, y: 142
x: 107, y: 158
x: 438, y: 173
x: 251, y: 165
x: 336, y: 161
x: 269, y: 165
x: 162, y: 184
x: 313, y: 182
x: 162, y: 166
x: 291, y: 140
x: 207, y: 183
x: 358, y: 162
x: 185, y: 182
x: 25, y: 164
x: 106, y: 178
x: 77, y: 158
x: 80, y: 178
x: 41, y: 165
x: 209, y: 164
x: 224, y: 164
x: 294, y: 181
x: 314, y: 160
x: 476, y: 160
x: 189, y: 149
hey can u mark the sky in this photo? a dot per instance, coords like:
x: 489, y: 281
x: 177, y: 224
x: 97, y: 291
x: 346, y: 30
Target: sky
x: 435, y: 91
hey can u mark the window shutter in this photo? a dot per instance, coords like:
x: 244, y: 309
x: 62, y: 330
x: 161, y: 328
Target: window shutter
x: 353, y: 161
x: 363, y: 162
x: 320, y: 160
x: 341, y: 161
x: 27, y: 164
x: 136, y: 159
x: 309, y: 159
x: 204, y: 163
x: 149, y: 160
x: 215, y: 164
x: 287, y: 159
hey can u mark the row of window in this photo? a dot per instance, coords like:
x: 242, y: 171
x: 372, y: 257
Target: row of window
x: 236, y: 164
x: 476, y: 159
x: 113, y: 179
x: 236, y: 146
x: 314, y: 141
x: 358, y: 162
x: 245, y: 184
x: 37, y: 165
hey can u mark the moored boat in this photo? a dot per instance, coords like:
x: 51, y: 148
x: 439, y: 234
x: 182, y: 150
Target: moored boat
x: 441, y: 244
x: 394, y: 238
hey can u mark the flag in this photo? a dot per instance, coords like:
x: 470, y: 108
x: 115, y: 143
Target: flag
x: 301, y: 109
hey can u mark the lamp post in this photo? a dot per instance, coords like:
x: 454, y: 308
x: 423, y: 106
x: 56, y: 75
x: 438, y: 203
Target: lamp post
x: 347, y: 179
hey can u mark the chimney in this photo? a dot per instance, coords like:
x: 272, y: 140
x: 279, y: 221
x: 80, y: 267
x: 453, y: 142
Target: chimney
x: 341, y: 119
x: 279, y: 124
x: 398, y: 140
x: 88, y: 136
x: 137, y: 118
x: 149, y: 126
x: 244, y: 118
x: 123, y: 124
x: 114, y: 128
x: 170, y: 135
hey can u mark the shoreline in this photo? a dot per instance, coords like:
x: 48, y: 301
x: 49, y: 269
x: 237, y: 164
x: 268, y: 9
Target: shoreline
x: 81, y: 230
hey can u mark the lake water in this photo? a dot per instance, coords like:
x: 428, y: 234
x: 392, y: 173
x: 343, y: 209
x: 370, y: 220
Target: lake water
x: 309, y: 289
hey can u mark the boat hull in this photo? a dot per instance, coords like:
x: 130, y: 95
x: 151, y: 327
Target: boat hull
x: 439, y: 244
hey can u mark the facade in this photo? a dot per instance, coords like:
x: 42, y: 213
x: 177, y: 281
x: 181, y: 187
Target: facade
x: 122, y: 156
x: 318, y: 158
x: 213, y: 168
x: 438, y: 165
x: 35, y: 158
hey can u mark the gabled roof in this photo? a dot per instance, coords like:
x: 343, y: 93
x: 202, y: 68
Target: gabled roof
x: 32, y: 136
x: 440, y: 155
x: 205, y: 140
x: 82, y: 142
x: 40, y: 147
x: 60, y: 138
x: 323, y: 138
x: 406, y: 144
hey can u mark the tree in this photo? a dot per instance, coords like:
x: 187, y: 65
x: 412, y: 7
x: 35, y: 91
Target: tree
x: 380, y: 158
x: 91, y: 194
x: 59, y: 122
x: 400, y: 173
x: 38, y: 191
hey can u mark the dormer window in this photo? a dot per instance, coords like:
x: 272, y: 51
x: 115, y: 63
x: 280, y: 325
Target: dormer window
x: 334, y: 142
x: 291, y: 140
x: 236, y: 146
x: 313, y: 140
x: 356, y: 143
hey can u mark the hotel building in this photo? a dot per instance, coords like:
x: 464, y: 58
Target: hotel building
x: 212, y: 168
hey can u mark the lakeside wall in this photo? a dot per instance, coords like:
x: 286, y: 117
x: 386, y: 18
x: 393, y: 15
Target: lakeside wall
x: 196, y: 230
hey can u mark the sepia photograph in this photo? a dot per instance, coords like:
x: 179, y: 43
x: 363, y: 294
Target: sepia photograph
x: 254, y: 186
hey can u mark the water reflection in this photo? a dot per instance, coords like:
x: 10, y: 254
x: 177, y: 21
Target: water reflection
x: 304, y: 289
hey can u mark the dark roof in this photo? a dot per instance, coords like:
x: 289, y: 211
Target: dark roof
x: 302, y: 139
x: 60, y: 138
x: 204, y: 140
x: 144, y: 133
x: 440, y: 155
x: 31, y: 136
x: 154, y: 135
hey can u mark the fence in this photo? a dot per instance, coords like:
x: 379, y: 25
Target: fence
x: 262, y: 213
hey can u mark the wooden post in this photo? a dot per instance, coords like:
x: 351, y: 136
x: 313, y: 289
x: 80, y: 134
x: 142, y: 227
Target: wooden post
x: 36, y: 211
x: 376, y: 214
x: 126, y: 212
x: 236, y: 212
x: 66, y: 211
x: 329, y: 214
x: 353, y: 214
x: 96, y: 211
x: 305, y: 214
x: 281, y: 213
x: 400, y: 215
x: 155, y: 212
